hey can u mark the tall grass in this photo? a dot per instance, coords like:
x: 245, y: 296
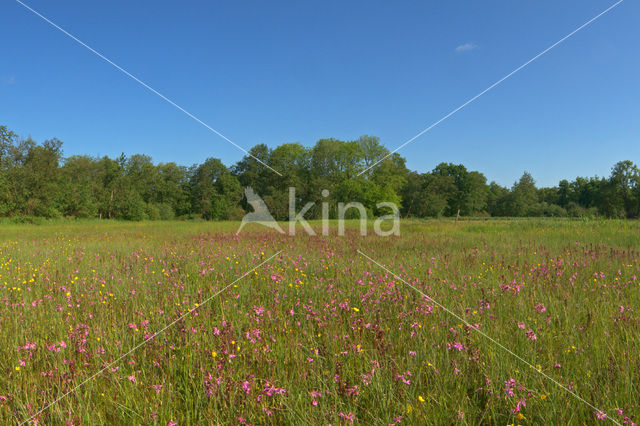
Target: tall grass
x: 319, y: 334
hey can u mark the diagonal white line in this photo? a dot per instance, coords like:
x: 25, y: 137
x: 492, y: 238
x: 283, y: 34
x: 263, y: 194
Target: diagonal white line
x: 128, y: 74
x: 492, y: 86
x: 144, y: 342
x: 490, y: 338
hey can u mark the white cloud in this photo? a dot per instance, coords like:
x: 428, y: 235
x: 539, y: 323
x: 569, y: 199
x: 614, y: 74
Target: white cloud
x: 466, y: 47
x: 9, y: 80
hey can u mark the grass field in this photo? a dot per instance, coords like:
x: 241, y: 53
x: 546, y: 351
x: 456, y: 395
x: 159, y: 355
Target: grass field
x: 319, y: 334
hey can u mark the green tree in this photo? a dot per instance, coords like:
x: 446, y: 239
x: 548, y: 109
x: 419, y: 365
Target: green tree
x: 215, y: 192
x: 250, y: 172
x: 172, y: 192
x: 79, y: 188
x: 142, y: 177
x: 427, y: 195
x: 42, y: 178
x: 8, y: 143
x: 498, y: 200
x: 622, y: 187
x: 524, y: 196
x: 110, y: 174
x: 471, y: 189
x: 371, y: 152
x: 333, y: 161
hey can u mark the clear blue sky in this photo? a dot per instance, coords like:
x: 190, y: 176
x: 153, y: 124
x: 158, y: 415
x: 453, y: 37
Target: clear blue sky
x: 297, y: 71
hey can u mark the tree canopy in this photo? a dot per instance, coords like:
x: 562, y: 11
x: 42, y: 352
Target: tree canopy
x: 37, y: 180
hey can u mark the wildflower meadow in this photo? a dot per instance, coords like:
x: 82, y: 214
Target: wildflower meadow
x: 495, y: 322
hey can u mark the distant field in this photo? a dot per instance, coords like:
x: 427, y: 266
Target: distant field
x: 319, y: 334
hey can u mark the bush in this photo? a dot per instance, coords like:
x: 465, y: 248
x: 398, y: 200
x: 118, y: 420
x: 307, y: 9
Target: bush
x: 159, y: 211
x: 235, y: 213
x: 576, y: 210
x: 27, y: 219
x: 554, y: 210
x: 152, y: 211
x: 166, y: 211
x: 544, y: 209
x: 134, y: 208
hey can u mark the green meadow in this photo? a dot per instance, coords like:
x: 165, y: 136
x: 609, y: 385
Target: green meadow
x: 497, y: 322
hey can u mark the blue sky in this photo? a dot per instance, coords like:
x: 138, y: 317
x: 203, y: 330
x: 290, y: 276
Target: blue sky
x: 275, y: 72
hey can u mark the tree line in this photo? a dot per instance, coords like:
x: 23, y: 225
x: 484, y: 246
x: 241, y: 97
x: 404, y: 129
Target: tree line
x: 36, y: 180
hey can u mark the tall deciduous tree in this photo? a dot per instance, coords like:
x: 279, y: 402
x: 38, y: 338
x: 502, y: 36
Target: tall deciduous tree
x: 524, y: 196
x: 214, y: 190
